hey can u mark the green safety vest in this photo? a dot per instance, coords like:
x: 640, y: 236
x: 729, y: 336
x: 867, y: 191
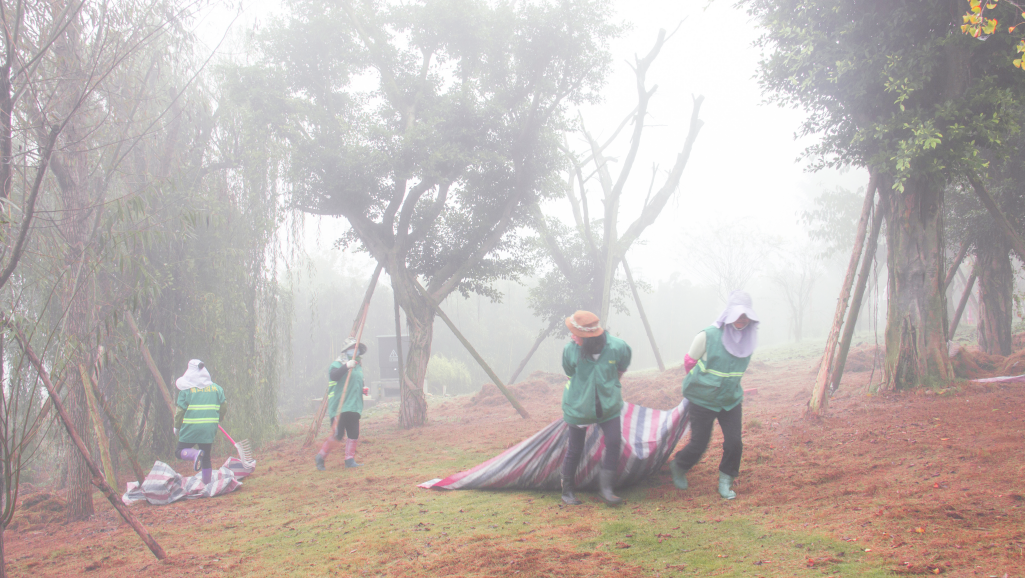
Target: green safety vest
x: 715, y: 384
x: 594, y: 382
x: 336, y: 381
x: 202, y: 407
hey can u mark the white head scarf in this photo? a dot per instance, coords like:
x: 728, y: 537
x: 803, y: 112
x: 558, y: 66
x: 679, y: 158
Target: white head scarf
x: 195, y: 376
x: 738, y: 342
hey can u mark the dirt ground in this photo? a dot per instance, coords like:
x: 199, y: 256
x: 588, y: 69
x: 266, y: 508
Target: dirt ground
x: 928, y: 482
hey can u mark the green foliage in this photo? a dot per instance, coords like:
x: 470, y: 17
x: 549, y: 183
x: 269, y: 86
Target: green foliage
x: 450, y: 110
x: 889, y: 86
x: 449, y: 375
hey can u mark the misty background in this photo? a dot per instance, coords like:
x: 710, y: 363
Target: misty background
x: 745, y: 187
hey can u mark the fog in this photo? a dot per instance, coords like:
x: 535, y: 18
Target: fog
x: 746, y: 179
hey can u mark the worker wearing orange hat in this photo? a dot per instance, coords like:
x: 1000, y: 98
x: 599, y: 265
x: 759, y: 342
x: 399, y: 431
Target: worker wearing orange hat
x: 594, y: 362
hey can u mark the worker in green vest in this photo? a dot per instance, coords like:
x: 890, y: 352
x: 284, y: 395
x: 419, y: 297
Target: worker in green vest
x: 345, y: 414
x: 201, y: 407
x: 715, y: 363
x: 594, y: 362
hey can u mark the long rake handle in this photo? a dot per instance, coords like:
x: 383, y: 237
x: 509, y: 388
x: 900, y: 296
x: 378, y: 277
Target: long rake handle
x: 225, y: 434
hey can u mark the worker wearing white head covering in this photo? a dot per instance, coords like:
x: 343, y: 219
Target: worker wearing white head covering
x: 715, y: 364
x: 201, y: 407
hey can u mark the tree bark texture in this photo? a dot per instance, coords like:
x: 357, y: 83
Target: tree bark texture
x: 420, y: 323
x: 819, y: 400
x: 996, y: 284
x: 916, y: 336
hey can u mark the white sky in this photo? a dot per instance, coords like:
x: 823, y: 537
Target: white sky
x: 744, y: 166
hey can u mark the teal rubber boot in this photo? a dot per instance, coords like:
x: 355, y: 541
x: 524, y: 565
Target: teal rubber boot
x: 679, y: 475
x: 724, y: 486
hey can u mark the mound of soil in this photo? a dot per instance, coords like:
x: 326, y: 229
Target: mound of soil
x: 38, y: 510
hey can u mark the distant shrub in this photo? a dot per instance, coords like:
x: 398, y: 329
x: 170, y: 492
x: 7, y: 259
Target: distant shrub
x: 449, y: 376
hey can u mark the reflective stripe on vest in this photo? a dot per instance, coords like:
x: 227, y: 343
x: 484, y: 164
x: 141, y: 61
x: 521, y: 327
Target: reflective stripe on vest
x: 701, y: 366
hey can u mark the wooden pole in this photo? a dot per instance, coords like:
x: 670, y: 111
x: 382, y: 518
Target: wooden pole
x: 122, y: 438
x: 957, y: 263
x: 161, y: 384
x: 102, y: 441
x: 962, y: 303
x: 818, y: 401
x: 356, y: 325
x: 97, y: 479
x: 537, y: 343
x: 856, y: 300
x: 480, y: 360
x: 644, y: 318
x: 998, y: 215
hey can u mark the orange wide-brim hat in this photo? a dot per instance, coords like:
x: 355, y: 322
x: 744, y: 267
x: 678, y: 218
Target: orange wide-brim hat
x: 584, y: 324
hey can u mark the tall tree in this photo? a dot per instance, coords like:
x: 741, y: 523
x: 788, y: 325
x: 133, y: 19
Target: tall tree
x: 898, y: 89
x: 431, y: 127
x: 587, y: 257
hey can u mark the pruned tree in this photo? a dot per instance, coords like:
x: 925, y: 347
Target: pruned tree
x: 431, y: 127
x: 585, y: 258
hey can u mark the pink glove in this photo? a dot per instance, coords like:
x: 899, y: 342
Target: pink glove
x: 366, y: 391
x: 689, y: 363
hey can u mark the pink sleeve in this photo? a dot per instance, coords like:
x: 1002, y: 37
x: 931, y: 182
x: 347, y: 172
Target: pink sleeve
x: 689, y: 363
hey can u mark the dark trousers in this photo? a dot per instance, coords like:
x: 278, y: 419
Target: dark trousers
x: 611, y: 432
x: 205, y: 460
x: 348, y: 422
x: 701, y: 422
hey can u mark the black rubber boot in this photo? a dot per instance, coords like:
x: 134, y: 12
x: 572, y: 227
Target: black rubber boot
x: 605, y: 478
x: 567, y: 492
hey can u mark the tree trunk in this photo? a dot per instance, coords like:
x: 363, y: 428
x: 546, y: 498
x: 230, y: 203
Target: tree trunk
x: 916, y: 344
x: 420, y: 321
x: 996, y: 284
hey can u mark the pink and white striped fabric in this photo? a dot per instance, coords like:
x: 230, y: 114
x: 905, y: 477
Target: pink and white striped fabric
x: 649, y: 437
x: 163, y: 485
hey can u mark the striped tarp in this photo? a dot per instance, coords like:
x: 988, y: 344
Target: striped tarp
x: 649, y: 437
x: 163, y: 485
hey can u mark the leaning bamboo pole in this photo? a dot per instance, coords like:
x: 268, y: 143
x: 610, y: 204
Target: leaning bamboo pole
x: 533, y: 349
x: 1003, y: 223
x: 644, y: 318
x: 357, y: 325
x: 473, y: 352
x: 102, y: 441
x: 819, y: 400
x: 122, y: 438
x: 962, y: 303
x: 97, y: 480
x: 161, y: 384
x: 856, y: 300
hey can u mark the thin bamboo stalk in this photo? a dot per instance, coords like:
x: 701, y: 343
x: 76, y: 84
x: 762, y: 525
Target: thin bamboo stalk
x: 122, y: 438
